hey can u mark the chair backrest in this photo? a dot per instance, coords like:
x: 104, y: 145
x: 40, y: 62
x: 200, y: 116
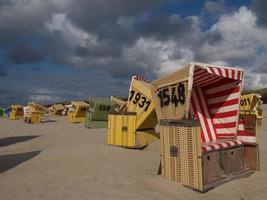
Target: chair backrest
x: 100, y: 108
x: 140, y: 101
x: 18, y: 109
x: 215, y: 101
x: 201, y: 112
x: 80, y: 108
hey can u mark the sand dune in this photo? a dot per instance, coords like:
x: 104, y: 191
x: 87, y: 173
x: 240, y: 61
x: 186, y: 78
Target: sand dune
x: 69, y: 161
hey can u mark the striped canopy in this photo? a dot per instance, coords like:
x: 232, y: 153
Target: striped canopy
x: 215, y: 100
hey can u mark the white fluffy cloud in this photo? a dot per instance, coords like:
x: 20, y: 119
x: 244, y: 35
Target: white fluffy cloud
x: 241, y: 36
x: 72, y: 34
x: 242, y: 42
x: 161, y: 57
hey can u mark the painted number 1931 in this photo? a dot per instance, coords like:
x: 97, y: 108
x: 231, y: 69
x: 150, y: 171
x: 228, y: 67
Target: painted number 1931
x: 136, y: 97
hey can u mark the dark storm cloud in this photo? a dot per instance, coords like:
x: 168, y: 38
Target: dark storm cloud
x: 107, y: 48
x: 3, y: 72
x: 164, y: 27
x: 123, y: 68
x: 259, y: 7
x: 117, y: 27
x: 98, y: 15
x: 24, y: 19
x: 120, y: 38
x: 24, y: 53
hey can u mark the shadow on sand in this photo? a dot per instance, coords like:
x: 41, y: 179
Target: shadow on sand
x: 10, y: 161
x: 12, y: 140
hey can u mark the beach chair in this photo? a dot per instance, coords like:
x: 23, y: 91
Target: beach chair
x: 251, y: 104
x: 34, y: 112
x: 134, y: 128
x: 97, y: 113
x: 77, y: 112
x: 198, y: 110
x: 120, y: 104
x: 56, y: 109
x: 16, y: 112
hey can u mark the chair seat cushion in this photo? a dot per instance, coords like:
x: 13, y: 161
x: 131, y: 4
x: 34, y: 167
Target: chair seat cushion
x: 220, y: 145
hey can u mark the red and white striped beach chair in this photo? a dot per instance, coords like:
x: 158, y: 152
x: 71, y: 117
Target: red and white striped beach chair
x: 198, y: 109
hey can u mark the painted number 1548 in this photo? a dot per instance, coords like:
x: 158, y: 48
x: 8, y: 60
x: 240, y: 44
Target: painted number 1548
x: 175, y: 96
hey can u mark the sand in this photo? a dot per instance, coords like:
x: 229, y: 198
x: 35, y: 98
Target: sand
x: 58, y: 160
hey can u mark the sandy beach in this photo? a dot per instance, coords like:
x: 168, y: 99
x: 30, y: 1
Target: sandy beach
x: 59, y: 160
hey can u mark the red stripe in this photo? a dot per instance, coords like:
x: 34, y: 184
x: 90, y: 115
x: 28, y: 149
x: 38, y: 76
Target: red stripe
x: 226, y: 136
x: 211, y: 82
x: 228, y: 144
x: 199, y: 71
x: 196, y: 115
x: 200, y: 80
x: 225, y: 125
x: 204, y: 116
x: 225, y: 114
x: 199, y: 77
x: 233, y: 74
x: 220, y: 145
x: 212, y: 70
x: 234, y: 141
x: 210, y: 79
x: 204, y: 149
x: 222, y: 82
x: 223, y: 93
x: 223, y: 104
x: 220, y: 71
x: 227, y: 73
x: 245, y: 133
x: 212, y: 147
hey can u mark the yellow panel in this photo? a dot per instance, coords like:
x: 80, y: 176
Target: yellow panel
x: 14, y: 116
x: 251, y: 104
x: 181, y: 154
x: 73, y: 118
x: 16, y: 112
x: 140, y: 101
x: 246, y: 102
x: 122, y: 132
x: 36, y: 118
x: 79, y: 113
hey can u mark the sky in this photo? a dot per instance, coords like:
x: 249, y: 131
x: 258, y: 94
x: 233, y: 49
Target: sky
x: 57, y: 50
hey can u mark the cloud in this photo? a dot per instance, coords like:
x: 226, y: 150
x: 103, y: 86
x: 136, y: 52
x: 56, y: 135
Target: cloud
x: 255, y: 80
x: 215, y: 8
x: 70, y: 33
x: 158, y: 57
x: 123, y: 39
x: 259, y: 8
x: 3, y: 72
x: 240, y: 42
x: 25, y: 53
